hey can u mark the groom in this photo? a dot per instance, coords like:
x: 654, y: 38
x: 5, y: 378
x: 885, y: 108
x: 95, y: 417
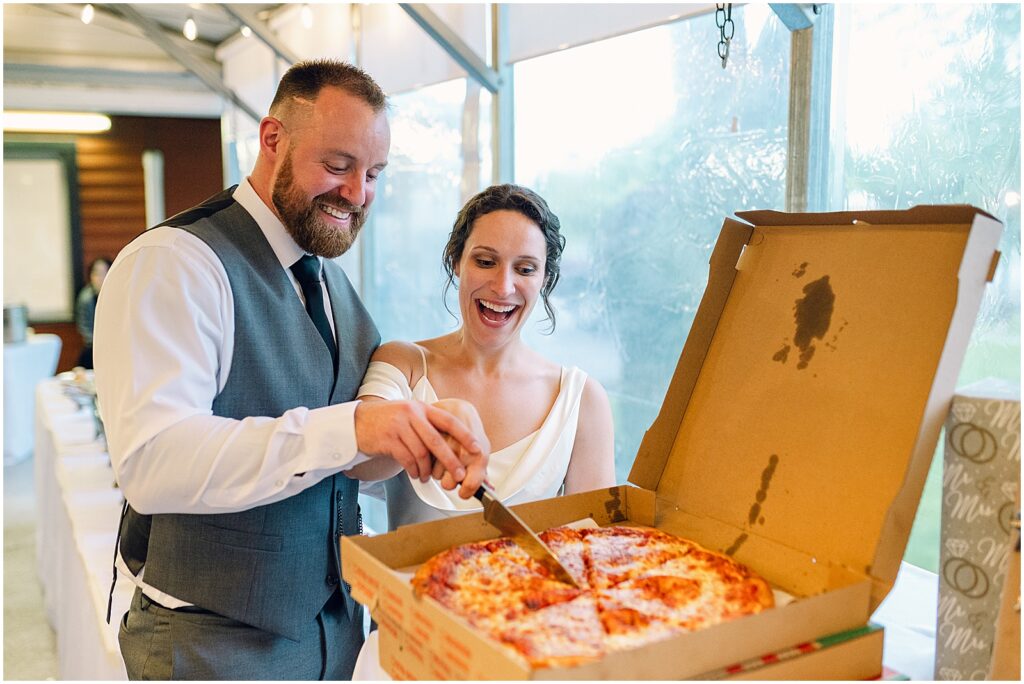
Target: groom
x: 229, y: 349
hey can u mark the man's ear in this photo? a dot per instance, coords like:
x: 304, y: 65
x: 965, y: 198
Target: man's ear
x: 272, y: 137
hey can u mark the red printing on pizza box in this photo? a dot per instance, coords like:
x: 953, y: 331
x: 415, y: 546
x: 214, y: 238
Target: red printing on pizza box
x: 795, y: 436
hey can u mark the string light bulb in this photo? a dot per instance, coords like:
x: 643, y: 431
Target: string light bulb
x: 189, y: 29
x: 245, y: 31
x: 307, y: 16
x: 88, y: 12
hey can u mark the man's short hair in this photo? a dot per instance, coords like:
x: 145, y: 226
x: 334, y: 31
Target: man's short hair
x: 304, y: 80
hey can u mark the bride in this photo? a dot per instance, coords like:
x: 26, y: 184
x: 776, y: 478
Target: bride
x: 549, y: 426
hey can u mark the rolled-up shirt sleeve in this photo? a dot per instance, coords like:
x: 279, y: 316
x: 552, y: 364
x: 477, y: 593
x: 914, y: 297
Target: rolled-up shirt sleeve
x: 163, y: 340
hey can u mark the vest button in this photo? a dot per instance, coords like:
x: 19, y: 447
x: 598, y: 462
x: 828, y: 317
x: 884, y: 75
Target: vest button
x: 331, y: 580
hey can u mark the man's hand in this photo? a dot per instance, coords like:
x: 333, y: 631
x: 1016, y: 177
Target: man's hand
x: 476, y: 466
x: 410, y: 432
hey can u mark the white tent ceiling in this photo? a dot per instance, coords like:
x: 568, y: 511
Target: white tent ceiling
x: 133, y: 59
x: 52, y: 60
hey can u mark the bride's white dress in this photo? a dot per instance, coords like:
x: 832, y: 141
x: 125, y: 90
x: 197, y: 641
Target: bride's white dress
x: 532, y: 468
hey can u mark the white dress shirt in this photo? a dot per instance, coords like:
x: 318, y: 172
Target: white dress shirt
x: 163, y: 347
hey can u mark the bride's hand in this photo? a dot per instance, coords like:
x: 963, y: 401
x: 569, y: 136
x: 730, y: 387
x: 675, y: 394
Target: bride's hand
x: 476, y: 465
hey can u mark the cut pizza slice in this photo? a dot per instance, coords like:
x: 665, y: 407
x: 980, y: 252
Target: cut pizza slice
x: 692, y: 591
x: 569, y: 546
x: 676, y: 603
x: 559, y: 635
x: 732, y: 588
x: 618, y: 554
x: 629, y: 623
x: 490, y: 582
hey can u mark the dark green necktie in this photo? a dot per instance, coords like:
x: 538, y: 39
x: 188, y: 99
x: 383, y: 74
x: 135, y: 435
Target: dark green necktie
x: 307, y: 272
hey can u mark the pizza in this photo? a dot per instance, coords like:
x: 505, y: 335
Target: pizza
x: 636, y: 585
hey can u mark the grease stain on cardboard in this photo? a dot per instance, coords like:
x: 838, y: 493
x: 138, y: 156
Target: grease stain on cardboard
x: 812, y: 314
x: 754, y: 515
x: 613, y: 506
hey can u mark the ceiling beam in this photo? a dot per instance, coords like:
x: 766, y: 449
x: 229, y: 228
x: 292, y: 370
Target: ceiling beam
x: 33, y: 73
x: 206, y: 73
x: 795, y: 16
x: 143, y: 101
x: 453, y: 44
x: 247, y: 16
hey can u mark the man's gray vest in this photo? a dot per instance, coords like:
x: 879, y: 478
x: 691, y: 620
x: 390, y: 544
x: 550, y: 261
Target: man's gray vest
x: 274, y: 566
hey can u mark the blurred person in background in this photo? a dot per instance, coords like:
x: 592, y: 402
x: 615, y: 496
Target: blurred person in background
x: 85, y: 307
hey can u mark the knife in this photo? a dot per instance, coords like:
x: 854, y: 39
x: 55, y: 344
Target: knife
x: 502, y: 517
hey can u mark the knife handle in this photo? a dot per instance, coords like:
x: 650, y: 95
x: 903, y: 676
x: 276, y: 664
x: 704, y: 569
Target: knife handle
x: 479, y: 493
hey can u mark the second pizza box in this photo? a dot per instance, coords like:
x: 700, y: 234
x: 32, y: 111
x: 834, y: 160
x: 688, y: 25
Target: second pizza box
x: 795, y: 436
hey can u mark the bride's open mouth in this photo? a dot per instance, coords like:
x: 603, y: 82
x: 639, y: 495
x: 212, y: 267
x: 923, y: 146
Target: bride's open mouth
x: 495, y: 312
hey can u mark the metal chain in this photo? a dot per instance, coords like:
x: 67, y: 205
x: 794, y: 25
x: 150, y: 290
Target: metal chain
x: 726, y: 29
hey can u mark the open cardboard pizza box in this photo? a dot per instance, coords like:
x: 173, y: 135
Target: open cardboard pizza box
x: 795, y: 435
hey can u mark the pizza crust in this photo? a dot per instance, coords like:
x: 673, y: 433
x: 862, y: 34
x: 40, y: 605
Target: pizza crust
x: 637, y: 585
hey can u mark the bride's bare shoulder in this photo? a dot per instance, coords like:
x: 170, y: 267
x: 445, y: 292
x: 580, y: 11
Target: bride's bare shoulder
x: 405, y: 356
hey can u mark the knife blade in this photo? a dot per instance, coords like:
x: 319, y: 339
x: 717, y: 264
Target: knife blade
x: 501, y: 516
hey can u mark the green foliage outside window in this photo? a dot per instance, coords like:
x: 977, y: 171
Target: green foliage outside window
x: 956, y: 142
x: 641, y: 220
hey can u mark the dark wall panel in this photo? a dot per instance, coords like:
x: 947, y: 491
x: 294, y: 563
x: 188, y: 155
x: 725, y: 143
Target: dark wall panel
x: 193, y: 167
x: 111, y: 190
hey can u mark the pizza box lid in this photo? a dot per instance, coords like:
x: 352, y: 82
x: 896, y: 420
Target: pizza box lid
x: 807, y: 401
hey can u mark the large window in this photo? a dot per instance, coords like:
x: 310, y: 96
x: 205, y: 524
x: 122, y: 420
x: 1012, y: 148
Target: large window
x: 437, y: 161
x: 433, y: 167
x: 928, y: 112
x: 642, y: 144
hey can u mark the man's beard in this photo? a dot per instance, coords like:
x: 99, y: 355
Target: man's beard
x: 303, y: 221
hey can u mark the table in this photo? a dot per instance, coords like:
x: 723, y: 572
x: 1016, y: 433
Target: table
x: 78, y: 509
x: 908, y: 614
x: 25, y: 365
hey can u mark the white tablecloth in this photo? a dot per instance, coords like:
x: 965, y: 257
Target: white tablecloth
x: 908, y: 614
x: 77, y: 513
x: 25, y: 365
